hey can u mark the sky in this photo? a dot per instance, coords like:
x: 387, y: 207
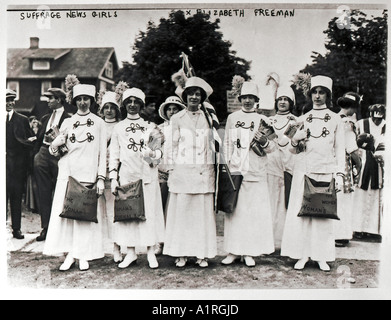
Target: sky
x: 273, y: 43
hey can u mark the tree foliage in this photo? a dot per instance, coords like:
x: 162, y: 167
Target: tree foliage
x: 157, y: 56
x: 356, y: 58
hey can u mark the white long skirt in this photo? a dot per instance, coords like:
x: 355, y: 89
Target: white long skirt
x: 82, y: 239
x: 343, y: 228
x: 143, y: 233
x: 249, y: 229
x: 277, y: 202
x: 190, y: 226
x: 306, y: 237
x: 368, y: 211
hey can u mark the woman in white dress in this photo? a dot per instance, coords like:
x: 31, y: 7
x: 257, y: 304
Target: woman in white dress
x: 111, y: 113
x: 343, y: 229
x: 368, y: 196
x: 307, y: 238
x: 248, y: 231
x: 167, y: 109
x: 191, y: 221
x: 84, y: 134
x: 129, y: 152
x: 281, y: 160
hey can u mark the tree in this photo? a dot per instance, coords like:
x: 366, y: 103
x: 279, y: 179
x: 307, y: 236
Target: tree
x: 356, y: 58
x: 157, y: 57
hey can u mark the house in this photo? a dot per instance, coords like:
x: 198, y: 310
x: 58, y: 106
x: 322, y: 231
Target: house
x: 32, y: 71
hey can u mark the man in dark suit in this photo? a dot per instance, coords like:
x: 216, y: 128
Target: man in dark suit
x: 45, y: 164
x: 18, y: 147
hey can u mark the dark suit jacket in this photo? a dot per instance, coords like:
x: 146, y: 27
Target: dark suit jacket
x: 41, y: 132
x: 17, y: 133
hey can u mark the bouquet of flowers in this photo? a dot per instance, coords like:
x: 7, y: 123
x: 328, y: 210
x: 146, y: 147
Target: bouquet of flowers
x: 267, y: 133
x: 155, y: 141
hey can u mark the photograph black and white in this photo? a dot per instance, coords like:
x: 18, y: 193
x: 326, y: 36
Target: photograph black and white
x: 210, y: 150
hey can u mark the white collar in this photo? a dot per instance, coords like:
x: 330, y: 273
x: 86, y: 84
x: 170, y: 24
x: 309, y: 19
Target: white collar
x: 133, y: 116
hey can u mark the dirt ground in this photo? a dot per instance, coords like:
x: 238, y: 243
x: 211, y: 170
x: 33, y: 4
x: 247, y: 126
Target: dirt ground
x: 34, y: 270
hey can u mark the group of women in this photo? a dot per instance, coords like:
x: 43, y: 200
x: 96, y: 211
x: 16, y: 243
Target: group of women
x: 179, y: 178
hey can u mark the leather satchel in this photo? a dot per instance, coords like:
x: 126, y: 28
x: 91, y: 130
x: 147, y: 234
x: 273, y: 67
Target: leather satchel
x: 80, y: 202
x: 129, y: 203
x: 227, y: 196
x: 319, y: 200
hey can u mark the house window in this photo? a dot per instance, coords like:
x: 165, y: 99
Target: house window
x: 109, y: 70
x: 41, y: 65
x: 45, y: 85
x: 14, y: 85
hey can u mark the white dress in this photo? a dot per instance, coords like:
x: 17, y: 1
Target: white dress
x: 281, y: 160
x: 249, y: 229
x: 191, y: 221
x: 128, y: 140
x: 108, y: 196
x: 368, y: 204
x: 85, y: 161
x: 343, y: 228
x: 306, y: 237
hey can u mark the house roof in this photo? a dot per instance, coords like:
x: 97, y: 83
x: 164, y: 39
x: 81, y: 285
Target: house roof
x: 83, y: 62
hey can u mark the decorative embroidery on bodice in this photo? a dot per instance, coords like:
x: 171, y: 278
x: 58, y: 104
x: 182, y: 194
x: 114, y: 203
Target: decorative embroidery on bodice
x: 311, y: 117
x: 89, y: 137
x: 275, y: 120
x: 133, y: 127
x: 134, y: 145
x: 241, y: 124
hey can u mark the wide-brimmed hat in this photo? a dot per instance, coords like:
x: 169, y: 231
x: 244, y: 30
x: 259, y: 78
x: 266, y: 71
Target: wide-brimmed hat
x: 286, y: 91
x: 10, y: 93
x: 322, y: 81
x: 170, y: 100
x: 133, y: 92
x: 249, y: 89
x: 195, y: 82
x: 84, y: 90
x: 349, y: 99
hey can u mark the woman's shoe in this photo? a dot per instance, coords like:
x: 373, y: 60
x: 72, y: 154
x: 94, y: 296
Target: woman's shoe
x: 301, y: 264
x: 129, y: 259
x: 83, y: 265
x: 180, y: 262
x: 117, y: 253
x: 231, y: 258
x: 323, y: 266
x: 158, y: 249
x: 202, y: 263
x: 249, y: 261
x: 67, y: 264
x: 153, y: 264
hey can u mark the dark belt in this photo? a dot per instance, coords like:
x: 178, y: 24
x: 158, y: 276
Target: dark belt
x: 45, y: 145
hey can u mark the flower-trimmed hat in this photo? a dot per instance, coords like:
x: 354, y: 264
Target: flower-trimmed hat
x: 249, y: 89
x: 84, y: 90
x: 170, y: 100
x: 133, y: 92
x: 195, y: 82
x: 349, y: 99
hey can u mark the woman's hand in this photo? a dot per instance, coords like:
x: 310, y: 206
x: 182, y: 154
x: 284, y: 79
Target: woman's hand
x: 299, y: 135
x: 59, y: 140
x: 114, y: 186
x: 148, y: 153
x: 261, y: 138
x: 100, y: 187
